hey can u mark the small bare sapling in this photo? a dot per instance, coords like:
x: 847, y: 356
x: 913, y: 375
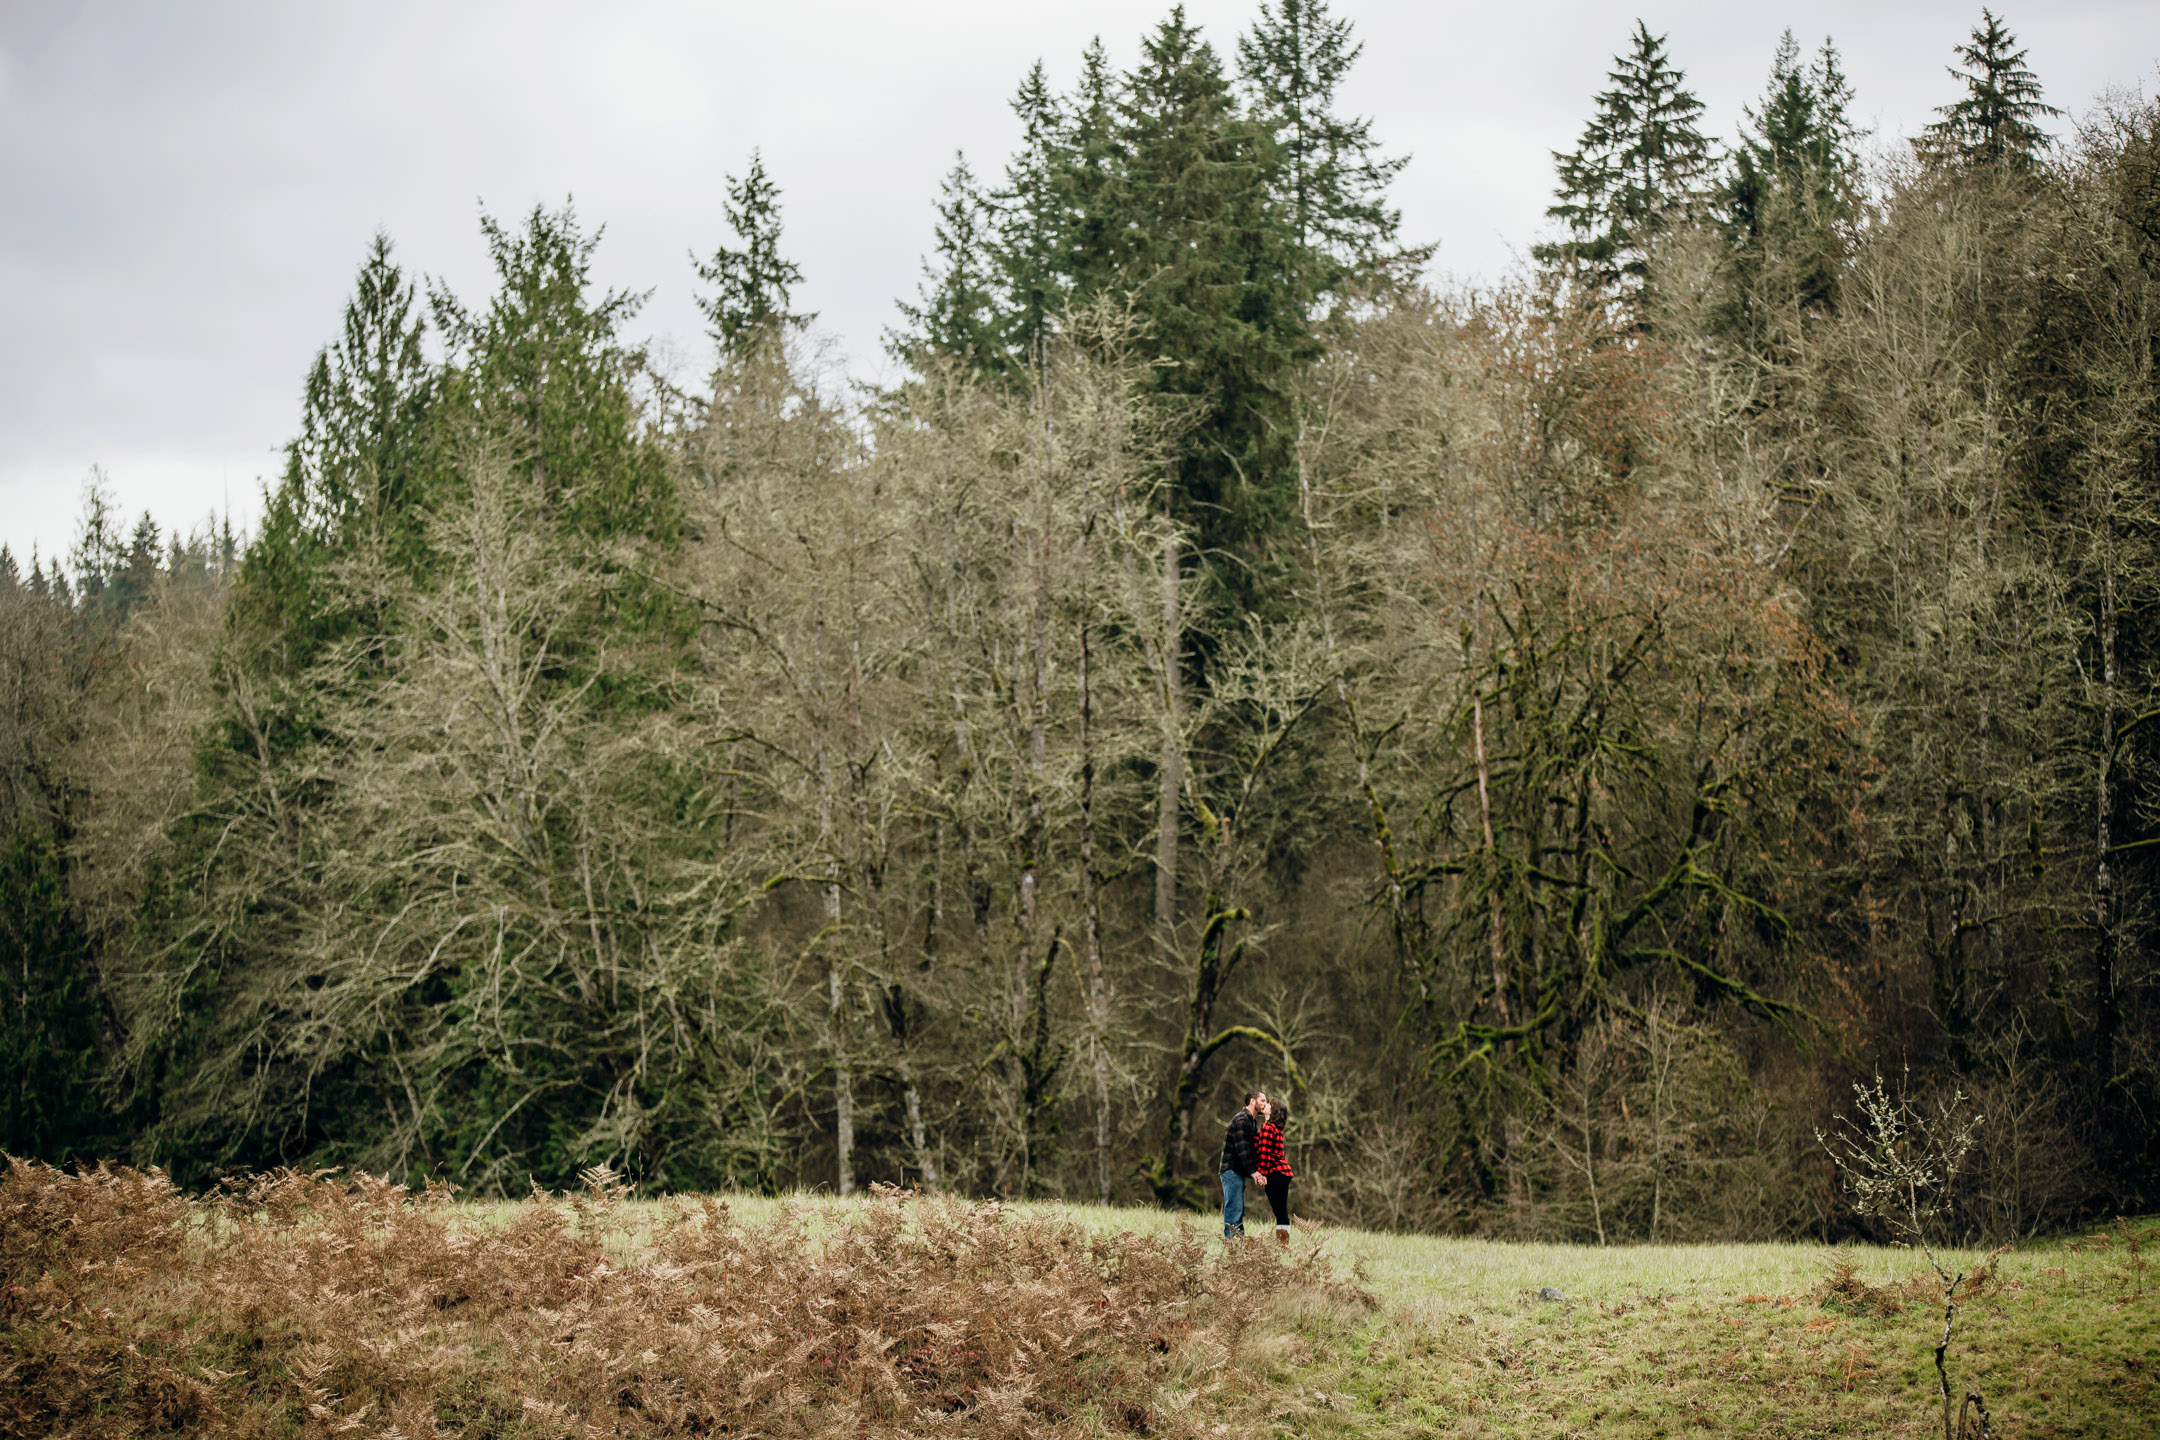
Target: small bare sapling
x: 1900, y: 1157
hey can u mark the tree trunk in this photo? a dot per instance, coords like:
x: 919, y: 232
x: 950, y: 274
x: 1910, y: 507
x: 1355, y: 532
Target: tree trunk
x: 1091, y: 919
x: 2104, y: 917
x: 1511, y: 1139
x: 843, y: 1071
x: 911, y: 1099
x: 933, y: 936
x: 1492, y: 852
x: 1172, y: 767
x: 1026, y: 1048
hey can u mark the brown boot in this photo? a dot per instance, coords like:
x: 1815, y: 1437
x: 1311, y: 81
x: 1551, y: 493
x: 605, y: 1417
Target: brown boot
x: 1282, y: 1235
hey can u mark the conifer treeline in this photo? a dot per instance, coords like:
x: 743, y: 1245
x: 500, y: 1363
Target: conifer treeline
x: 1557, y: 735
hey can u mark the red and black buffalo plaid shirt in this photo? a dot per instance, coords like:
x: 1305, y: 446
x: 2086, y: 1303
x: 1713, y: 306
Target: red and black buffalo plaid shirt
x: 1269, y: 1144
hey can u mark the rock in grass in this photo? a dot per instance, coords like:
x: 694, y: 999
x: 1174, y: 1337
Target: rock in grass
x: 1548, y: 1293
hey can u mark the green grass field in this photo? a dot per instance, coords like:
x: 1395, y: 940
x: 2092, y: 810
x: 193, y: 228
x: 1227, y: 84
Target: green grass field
x: 1686, y: 1340
x: 1718, y: 1339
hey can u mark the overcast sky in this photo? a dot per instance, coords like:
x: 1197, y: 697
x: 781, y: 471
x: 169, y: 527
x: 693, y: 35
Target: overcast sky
x: 186, y: 188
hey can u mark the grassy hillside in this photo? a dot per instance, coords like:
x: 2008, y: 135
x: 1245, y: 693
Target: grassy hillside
x: 293, y: 1306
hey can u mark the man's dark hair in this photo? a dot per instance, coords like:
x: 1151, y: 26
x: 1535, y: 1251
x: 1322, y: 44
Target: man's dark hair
x: 1252, y: 1095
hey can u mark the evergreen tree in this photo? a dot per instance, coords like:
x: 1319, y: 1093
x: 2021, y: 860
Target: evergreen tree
x: 1204, y: 251
x: 115, y: 570
x: 136, y: 577
x: 1795, y: 175
x: 51, y: 1038
x: 99, y: 552
x: 754, y: 284
x: 957, y: 316
x: 1034, y: 220
x: 1094, y: 163
x: 344, y: 526
x: 545, y: 372
x: 1642, y: 163
x: 363, y: 438
x: 1994, y: 124
x: 538, y: 400
x: 1329, y: 177
x: 357, y: 470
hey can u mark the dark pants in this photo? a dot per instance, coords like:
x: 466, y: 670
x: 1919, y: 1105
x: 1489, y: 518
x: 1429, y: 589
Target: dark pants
x: 1278, y: 1199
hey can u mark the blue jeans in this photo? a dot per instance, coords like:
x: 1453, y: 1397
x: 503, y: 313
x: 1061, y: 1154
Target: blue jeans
x: 1233, y: 1205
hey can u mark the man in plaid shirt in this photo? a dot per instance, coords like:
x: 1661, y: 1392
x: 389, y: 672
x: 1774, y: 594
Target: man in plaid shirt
x: 1239, y: 1160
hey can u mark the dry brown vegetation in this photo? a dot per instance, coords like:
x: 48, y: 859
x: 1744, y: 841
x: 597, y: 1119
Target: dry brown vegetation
x: 327, y: 1304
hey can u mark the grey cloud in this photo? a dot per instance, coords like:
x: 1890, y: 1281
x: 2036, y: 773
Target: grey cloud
x: 187, y: 188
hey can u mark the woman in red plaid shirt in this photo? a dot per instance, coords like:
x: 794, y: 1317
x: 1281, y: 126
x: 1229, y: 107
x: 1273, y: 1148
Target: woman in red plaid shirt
x: 1274, y: 1169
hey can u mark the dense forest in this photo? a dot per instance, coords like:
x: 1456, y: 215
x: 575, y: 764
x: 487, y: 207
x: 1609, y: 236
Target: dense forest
x: 1559, y: 734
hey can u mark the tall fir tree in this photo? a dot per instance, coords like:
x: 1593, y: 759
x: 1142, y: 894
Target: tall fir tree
x: 1094, y: 164
x: 1642, y: 164
x: 754, y: 285
x: 1795, y: 177
x: 360, y: 463
x: 1210, y: 263
x: 1034, y: 219
x: 362, y: 435
x: 956, y: 315
x: 1329, y: 176
x: 545, y: 371
x: 99, y: 549
x: 1995, y: 124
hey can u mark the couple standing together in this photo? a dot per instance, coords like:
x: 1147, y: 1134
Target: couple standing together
x: 1253, y: 1147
